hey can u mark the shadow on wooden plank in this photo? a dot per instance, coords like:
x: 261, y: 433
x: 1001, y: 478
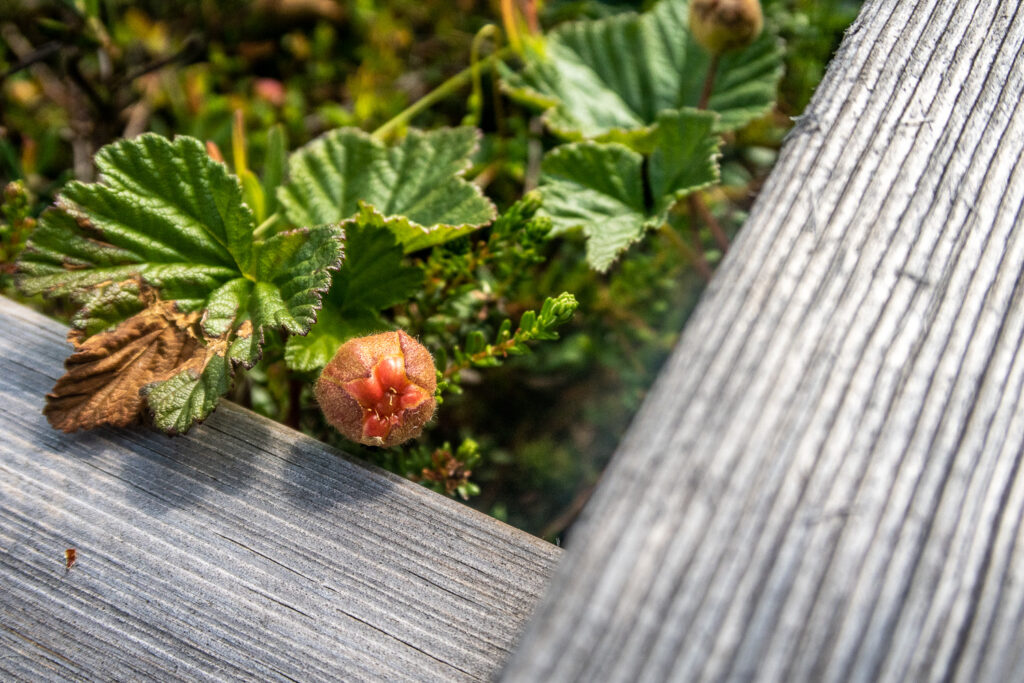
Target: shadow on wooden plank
x: 240, y: 548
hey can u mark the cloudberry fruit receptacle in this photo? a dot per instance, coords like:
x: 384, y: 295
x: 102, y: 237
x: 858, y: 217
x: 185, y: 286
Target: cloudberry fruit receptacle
x: 379, y: 390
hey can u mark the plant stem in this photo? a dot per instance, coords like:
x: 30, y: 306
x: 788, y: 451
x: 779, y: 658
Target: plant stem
x: 264, y: 228
x: 565, y: 519
x: 508, y: 18
x: 697, y: 205
x: 489, y: 352
x: 695, y: 256
x: 709, y: 84
x: 699, y: 208
x: 439, y: 93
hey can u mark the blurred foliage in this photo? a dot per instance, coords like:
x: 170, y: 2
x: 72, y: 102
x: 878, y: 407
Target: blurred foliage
x: 16, y: 222
x: 534, y: 433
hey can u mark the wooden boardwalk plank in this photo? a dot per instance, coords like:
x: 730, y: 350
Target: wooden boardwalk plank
x: 242, y: 549
x: 825, y: 483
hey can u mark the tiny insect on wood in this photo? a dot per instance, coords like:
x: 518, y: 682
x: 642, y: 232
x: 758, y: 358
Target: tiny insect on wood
x: 70, y: 557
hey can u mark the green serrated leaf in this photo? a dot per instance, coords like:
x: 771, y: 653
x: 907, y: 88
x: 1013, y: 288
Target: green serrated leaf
x: 600, y: 187
x: 685, y: 156
x: 189, y: 396
x: 104, y: 307
x: 334, y: 328
x: 610, y: 79
x: 372, y: 279
x: 415, y: 188
x: 167, y: 217
x: 374, y: 276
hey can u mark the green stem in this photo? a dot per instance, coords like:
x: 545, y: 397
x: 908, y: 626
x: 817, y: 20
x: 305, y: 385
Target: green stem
x: 264, y: 228
x: 500, y: 349
x: 439, y: 93
x: 488, y: 31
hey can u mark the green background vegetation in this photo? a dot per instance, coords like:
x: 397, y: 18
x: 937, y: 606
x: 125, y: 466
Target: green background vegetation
x: 536, y: 431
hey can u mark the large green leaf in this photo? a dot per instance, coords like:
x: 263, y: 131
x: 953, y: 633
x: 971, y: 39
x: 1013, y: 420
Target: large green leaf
x: 415, y: 187
x: 373, y: 278
x: 600, y: 188
x: 685, y: 156
x: 167, y: 218
x: 610, y: 79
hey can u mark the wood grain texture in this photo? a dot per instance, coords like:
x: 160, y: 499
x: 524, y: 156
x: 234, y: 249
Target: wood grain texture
x: 240, y: 550
x: 825, y: 482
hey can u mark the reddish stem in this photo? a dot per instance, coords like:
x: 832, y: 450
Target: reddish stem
x: 699, y: 208
x: 697, y: 205
x: 709, y: 83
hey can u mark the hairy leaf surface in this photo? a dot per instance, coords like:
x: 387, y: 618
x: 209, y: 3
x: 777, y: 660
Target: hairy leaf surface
x: 598, y: 188
x: 415, y: 187
x: 601, y: 188
x: 610, y: 79
x: 685, y: 156
x: 189, y: 395
x: 372, y: 279
x: 166, y: 217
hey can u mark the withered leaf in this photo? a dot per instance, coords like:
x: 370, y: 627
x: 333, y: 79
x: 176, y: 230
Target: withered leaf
x: 189, y: 394
x: 107, y: 371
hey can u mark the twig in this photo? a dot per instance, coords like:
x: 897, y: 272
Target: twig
x: 694, y: 256
x: 564, y: 520
x: 38, y: 55
x: 22, y: 49
x: 709, y: 83
x: 70, y: 99
x: 698, y: 207
x: 186, y: 53
x: 500, y: 349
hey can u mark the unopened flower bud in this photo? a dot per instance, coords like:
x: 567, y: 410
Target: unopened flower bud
x: 723, y: 25
x: 379, y: 390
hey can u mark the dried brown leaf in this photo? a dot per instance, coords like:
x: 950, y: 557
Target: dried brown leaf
x: 106, y: 372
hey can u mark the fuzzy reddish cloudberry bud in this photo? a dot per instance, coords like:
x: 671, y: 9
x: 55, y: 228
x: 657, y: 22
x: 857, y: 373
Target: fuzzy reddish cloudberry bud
x: 723, y: 25
x: 379, y: 390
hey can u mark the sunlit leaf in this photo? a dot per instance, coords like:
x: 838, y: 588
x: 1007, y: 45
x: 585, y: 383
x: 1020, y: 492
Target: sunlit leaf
x: 610, y: 79
x: 601, y: 189
x: 166, y: 217
x: 415, y: 187
x: 372, y: 279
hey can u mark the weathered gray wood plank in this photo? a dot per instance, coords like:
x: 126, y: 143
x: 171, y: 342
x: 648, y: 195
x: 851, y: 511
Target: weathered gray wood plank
x: 241, y: 549
x: 825, y: 483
